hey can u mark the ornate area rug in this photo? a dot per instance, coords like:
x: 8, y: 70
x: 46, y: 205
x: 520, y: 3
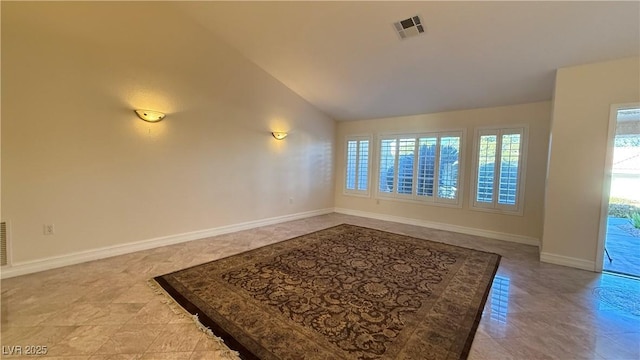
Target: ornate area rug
x: 346, y: 292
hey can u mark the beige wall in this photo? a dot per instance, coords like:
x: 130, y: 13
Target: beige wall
x: 74, y: 154
x: 535, y: 115
x: 583, y: 98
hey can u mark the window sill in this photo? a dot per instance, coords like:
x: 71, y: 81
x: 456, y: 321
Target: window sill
x: 518, y: 212
x: 355, y: 194
x: 426, y: 202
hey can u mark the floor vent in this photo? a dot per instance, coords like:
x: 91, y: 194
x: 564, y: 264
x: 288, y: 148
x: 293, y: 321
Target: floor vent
x: 3, y: 243
x: 409, y: 27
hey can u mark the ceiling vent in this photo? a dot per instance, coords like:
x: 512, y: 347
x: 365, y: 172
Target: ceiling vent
x: 409, y: 27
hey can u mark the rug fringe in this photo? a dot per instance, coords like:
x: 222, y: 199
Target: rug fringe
x: 226, y: 353
x: 167, y: 299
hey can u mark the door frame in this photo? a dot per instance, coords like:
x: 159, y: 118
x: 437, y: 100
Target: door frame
x: 606, y: 183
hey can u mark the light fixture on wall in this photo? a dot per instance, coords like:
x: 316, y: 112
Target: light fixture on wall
x: 279, y: 135
x: 150, y: 115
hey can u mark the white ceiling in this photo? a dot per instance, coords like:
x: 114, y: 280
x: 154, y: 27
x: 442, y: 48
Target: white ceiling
x: 347, y: 60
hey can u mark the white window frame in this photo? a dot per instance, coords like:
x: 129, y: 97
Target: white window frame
x: 494, y: 206
x: 413, y: 197
x: 358, y: 139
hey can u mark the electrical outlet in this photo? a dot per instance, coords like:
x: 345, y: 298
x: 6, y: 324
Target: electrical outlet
x: 49, y: 229
x: 290, y: 200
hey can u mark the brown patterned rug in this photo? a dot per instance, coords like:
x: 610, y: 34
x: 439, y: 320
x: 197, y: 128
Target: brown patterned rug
x: 346, y: 292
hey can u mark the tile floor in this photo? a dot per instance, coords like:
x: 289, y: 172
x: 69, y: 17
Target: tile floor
x: 105, y: 309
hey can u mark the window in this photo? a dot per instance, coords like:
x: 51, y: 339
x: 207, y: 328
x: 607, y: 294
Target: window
x: 499, y: 164
x: 357, y: 166
x: 420, y: 167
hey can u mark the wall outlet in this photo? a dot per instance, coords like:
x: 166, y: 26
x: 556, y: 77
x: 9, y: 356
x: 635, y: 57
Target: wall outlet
x: 49, y: 229
x: 290, y: 200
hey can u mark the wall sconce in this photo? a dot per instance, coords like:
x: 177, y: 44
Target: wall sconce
x: 279, y: 135
x: 150, y: 115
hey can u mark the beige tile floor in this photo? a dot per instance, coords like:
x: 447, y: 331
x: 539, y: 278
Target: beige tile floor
x: 105, y: 310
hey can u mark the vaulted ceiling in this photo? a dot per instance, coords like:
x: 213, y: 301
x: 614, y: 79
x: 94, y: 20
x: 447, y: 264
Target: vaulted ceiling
x: 347, y: 59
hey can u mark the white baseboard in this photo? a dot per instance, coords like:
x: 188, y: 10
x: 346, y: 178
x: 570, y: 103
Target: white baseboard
x: 568, y: 261
x: 520, y: 239
x: 28, y: 267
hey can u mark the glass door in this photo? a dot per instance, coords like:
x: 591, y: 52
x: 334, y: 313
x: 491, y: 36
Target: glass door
x: 622, y: 240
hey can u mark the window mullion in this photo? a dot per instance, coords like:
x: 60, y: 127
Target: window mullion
x: 396, y: 177
x: 357, y: 177
x: 516, y: 204
x: 436, y: 169
x: 347, y: 161
x: 497, y: 170
x: 478, y: 169
x: 519, y: 172
x: 416, y: 159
